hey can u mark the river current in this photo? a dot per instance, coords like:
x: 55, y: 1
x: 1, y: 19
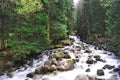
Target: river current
x: 79, y: 67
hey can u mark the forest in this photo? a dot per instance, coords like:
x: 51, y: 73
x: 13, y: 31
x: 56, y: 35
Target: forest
x: 29, y: 27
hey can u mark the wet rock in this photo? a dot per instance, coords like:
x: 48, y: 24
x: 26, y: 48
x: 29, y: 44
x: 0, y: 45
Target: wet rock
x: 100, y: 72
x: 67, y: 56
x: 58, y: 55
x: 44, y: 69
x: 76, y: 60
x: 109, y: 54
x: 45, y: 79
x: 88, y: 51
x: 87, y: 70
x: 10, y: 63
x: 66, y: 65
x: 108, y: 67
x: 9, y: 74
x: 116, y: 69
x: 90, y: 61
x: 30, y: 75
x: 82, y: 77
x: 1, y: 71
x: 96, y: 56
x: 53, y: 61
x: 99, y: 79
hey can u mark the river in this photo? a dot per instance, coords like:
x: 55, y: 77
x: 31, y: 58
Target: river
x: 107, y: 62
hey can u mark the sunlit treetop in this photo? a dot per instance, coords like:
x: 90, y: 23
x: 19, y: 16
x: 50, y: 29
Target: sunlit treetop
x: 27, y: 6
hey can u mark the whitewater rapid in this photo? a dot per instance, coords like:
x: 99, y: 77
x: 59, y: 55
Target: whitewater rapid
x: 80, y: 67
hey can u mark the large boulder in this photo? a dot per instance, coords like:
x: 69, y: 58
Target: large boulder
x: 100, y: 72
x: 81, y: 77
x: 45, y: 69
x: 61, y: 54
x: 66, y: 64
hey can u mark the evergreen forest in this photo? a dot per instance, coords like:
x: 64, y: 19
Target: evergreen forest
x: 29, y: 27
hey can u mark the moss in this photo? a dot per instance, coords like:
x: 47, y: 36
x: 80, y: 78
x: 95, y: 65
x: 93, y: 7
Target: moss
x: 96, y: 56
x: 66, y: 42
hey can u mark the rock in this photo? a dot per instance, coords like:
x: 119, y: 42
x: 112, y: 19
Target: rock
x: 100, y: 72
x: 66, y: 65
x: 76, y: 60
x: 45, y: 69
x: 67, y: 56
x: 10, y: 63
x: 30, y: 75
x: 90, y: 61
x: 82, y: 77
x: 96, y: 56
x: 116, y: 69
x: 99, y: 79
x: 45, y: 79
x: 88, y: 51
x: 54, y: 61
x: 58, y: 55
x: 108, y: 67
x: 37, y: 71
x: 109, y: 54
x: 9, y: 74
x: 87, y: 70
x: 1, y: 71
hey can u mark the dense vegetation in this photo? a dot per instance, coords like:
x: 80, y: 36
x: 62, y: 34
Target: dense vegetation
x: 31, y: 26
x: 98, y: 21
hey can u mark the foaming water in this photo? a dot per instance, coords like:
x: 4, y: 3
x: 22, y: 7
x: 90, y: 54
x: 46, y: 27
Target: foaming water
x: 80, y: 67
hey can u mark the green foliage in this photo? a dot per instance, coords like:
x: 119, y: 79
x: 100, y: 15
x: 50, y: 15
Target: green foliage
x: 27, y: 6
x: 56, y: 1
x: 113, y: 21
x: 31, y: 25
x: 58, y: 31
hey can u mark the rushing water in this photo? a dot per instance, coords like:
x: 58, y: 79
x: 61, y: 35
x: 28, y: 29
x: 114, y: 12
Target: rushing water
x: 80, y: 67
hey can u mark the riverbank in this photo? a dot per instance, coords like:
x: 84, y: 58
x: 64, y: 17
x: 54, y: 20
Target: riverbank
x: 78, y: 61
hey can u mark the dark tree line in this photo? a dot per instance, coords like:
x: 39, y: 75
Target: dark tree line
x: 99, y: 18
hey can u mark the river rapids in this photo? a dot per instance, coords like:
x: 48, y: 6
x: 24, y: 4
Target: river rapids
x: 108, y: 63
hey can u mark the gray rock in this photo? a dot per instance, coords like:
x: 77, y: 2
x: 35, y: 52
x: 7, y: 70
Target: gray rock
x: 30, y: 75
x: 100, y: 72
x: 66, y: 65
x: 87, y: 70
x: 88, y: 51
x: 82, y: 77
x: 45, y: 79
x: 116, y: 69
x: 108, y: 67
